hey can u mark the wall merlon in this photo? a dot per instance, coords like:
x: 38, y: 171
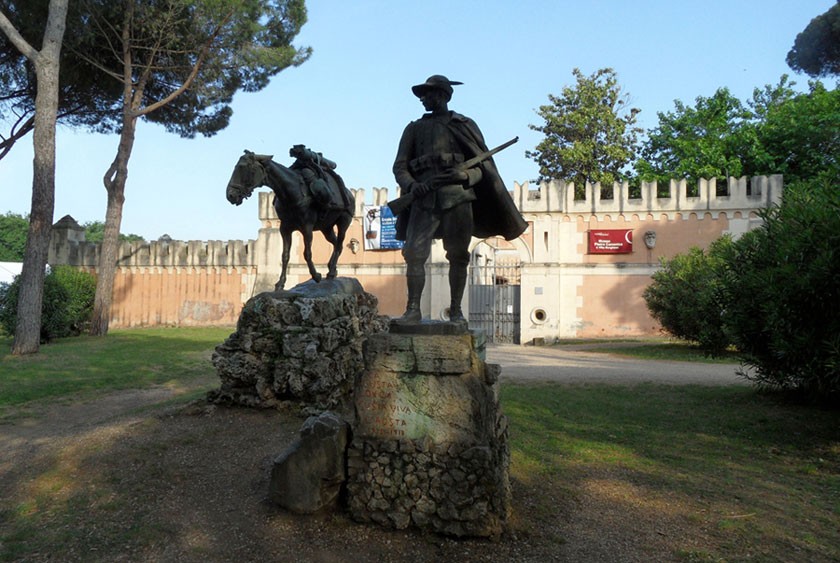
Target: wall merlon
x: 380, y: 197
x: 359, y: 199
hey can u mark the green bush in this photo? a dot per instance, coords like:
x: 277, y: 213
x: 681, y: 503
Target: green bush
x: 8, y: 305
x: 685, y: 296
x: 782, y: 295
x: 67, y: 305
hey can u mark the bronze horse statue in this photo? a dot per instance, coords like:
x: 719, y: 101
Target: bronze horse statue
x: 308, y: 196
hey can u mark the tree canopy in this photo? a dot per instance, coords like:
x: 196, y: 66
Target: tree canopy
x: 816, y: 50
x: 778, y: 131
x: 84, y: 98
x: 178, y: 64
x: 800, y: 138
x: 185, y: 59
x: 237, y: 45
x: 95, y: 231
x: 710, y: 139
x: 589, y: 131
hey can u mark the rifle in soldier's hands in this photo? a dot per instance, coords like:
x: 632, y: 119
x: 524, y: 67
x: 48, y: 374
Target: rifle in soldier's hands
x: 455, y: 175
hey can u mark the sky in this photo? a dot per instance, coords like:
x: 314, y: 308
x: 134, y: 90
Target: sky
x: 352, y: 99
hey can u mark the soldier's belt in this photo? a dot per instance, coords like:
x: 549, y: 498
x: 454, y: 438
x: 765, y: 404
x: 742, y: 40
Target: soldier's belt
x: 431, y: 164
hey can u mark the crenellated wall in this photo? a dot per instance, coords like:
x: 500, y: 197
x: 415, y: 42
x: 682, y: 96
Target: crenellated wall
x: 558, y: 196
x: 565, y: 291
x: 165, y: 282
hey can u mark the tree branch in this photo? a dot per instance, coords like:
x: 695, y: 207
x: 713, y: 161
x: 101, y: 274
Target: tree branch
x: 16, y: 134
x: 196, y: 68
x: 17, y: 39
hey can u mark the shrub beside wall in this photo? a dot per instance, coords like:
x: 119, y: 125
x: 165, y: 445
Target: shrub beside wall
x: 773, y: 294
x: 685, y: 296
x: 782, y: 293
x: 68, y: 303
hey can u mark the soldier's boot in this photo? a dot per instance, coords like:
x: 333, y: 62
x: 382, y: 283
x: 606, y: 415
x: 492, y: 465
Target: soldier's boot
x: 457, y: 283
x: 416, y: 281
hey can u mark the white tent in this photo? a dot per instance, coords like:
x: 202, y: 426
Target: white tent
x: 8, y: 271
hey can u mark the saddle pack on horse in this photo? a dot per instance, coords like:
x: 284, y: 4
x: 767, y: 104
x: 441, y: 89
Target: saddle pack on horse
x: 317, y: 173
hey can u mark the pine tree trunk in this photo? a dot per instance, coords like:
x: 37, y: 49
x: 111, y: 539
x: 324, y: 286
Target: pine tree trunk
x: 114, y: 181
x: 30, y: 300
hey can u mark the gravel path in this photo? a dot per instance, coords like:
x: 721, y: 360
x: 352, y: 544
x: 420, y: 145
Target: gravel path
x: 574, y: 364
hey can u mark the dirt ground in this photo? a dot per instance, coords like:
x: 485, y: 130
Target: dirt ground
x: 137, y: 476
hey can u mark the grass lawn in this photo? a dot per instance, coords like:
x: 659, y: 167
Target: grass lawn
x: 653, y: 349
x: 758, y: 476
x: 125, y: 359
x: 674, y: 351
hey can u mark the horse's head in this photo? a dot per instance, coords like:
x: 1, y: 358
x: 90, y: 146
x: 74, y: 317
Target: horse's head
x: 247, y: 175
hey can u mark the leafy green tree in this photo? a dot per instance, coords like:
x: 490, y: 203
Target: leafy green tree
x: 710, y: 140
x: 13, y: 229
x: 46, y: 67
x: 589, y: 132
x: 800, y: 138
x: 178, y: 63
x: 816, y: 50
x: 765, y: 99
x: 95, y: 230
x: 777, y: 132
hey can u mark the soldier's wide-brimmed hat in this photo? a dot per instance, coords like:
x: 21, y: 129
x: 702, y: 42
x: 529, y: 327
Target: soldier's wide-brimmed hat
x: 435, y: 81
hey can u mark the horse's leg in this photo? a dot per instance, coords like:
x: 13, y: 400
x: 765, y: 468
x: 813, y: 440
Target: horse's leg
x: 286, y: 235
x: 306, y: 231
x: 337, y: 240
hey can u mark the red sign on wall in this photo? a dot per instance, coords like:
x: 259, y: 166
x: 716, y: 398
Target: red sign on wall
x: 611, y: 241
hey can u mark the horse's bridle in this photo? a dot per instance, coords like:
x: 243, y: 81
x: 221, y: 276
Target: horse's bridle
x: 251, y: 162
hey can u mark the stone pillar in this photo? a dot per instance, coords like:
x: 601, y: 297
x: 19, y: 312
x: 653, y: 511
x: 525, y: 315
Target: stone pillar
x: 429, y: 445
x: 65, y: 237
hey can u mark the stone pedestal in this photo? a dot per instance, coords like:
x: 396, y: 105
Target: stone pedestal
x: 302, y: 346
x: 429, y: 445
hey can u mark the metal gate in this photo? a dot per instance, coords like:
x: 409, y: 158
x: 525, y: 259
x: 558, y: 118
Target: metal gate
x: 494, y: 292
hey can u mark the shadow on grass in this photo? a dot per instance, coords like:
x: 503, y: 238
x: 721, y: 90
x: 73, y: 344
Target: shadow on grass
x: 757, y: 476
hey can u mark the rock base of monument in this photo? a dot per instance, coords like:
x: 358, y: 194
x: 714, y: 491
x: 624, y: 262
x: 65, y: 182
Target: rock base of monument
x: 302, y: 346
x: 430, y: 443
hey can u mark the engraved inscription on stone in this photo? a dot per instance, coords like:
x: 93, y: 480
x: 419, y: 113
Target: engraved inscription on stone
x: 401, y: 406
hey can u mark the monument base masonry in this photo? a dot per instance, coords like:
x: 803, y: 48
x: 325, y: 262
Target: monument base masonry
x: 430, y: 443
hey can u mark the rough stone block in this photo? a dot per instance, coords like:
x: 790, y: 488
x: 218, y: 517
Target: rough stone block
x: 303, y: 345
x: 308, y: 476
x: 443, y: 355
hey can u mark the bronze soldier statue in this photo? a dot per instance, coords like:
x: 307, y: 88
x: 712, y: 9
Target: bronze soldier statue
x: 451, y: 199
